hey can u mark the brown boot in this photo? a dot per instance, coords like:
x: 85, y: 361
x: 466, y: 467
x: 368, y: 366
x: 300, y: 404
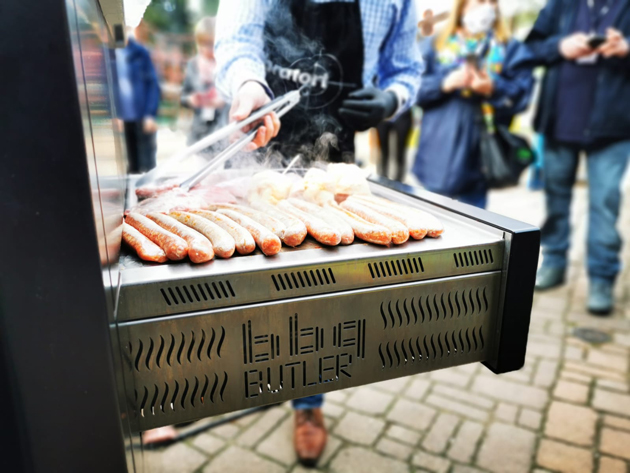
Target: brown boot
x: 310, y: 436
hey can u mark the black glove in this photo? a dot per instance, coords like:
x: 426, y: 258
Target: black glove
x: 366, y: 108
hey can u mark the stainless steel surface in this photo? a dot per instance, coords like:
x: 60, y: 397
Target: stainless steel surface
x: 186, y: 367
x: 152, y: 291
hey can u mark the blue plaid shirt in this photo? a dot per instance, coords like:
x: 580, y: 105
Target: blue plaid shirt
x: 392, y: 59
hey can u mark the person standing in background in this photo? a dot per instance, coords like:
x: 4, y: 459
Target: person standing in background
x: 469, y: 83
x: 401, y: 127
x: 583, y: 108
x: 137, y: 93
x: 199, y: 92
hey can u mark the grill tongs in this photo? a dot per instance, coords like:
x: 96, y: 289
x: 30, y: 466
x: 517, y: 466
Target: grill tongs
x: 280, y: 105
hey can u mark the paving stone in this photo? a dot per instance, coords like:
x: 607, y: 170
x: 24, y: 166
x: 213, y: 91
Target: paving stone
x: 463, y: 396
x: 417, y: 389
x: 607, y: 360
x: 569, y: 391
x: 544, y: 350
x: 359, y: 428
x: 394, y: 449
x: 278, y: 445
x: 370, y: 401
x: 227, y: 431
x: 465, y: 469
x: 506, y: 412
x: 237, y: 460
x: 617, y: 422
x: 622, y: 339
x: 613, y: 385
x: 593, y: 371
x: 441, y: 431
x: 450, y: 376
x: 530, y: 419
x: 208, y: 443
x: 338, y: 397
x: 179, y: 457
x: 465, y: 442
x: 564, y: 458
x: 573, y: 353
x: 457, y: 407
x: 576, y: 377
x: 261, y: 427
x: 332, y: 410
x: 394, y: 386
x: 506, y: 449
x: 403, y: 435
x: 332, y: 446
x: 509, y: 391
x: 545, y: 373
x: 365, y: 461
x: 431, y: 462
x: 557, y: 328
x: 553, y: 304
x: 573, y: 424
x: 410, y: 414
x: 615, y: 442
x: 612, y: 402
x: 611, y: 465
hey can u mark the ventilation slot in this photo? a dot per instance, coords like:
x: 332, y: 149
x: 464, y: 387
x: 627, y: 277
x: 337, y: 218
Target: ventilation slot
x: 303, y: 279
x: 194, y: 293
x: 467, y: 259
x: 395, y: 268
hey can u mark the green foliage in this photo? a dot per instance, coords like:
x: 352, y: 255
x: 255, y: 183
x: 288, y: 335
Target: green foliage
x: 168, y: 16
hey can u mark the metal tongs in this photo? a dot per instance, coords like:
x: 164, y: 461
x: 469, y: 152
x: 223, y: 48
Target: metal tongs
x: 280, y: 105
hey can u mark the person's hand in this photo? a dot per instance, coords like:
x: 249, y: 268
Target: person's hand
x: 481, y: 83
x: 195, y: 100
x: 616, y: 45
x: 366, y: 108
x: 575, y: 46
x: 119, y: 125
x: 250, y: 97
x: 458, y: 79
x: 149, y: 125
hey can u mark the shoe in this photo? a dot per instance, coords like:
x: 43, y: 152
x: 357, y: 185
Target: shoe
x: 548, y: 278
x: 600, y: 298
x: 310, y: 436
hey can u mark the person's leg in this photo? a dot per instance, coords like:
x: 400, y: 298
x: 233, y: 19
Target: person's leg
x: 310, y: 436
x: 384, y: 129
x: 477, y: 199
x: 311, y: 402
x: 606, y: 168
x: 131, y: 140
x: 403, y: 128
x: 147, y: 147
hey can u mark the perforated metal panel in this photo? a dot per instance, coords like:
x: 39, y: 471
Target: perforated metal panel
x: 187, y: 367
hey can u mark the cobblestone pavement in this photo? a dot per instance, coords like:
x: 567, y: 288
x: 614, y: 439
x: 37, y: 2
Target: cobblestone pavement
x: 567, y: 410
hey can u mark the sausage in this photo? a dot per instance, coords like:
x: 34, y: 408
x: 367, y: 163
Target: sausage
x: 146, y: 249
x: 435, y: 228
x: 199, y: 247
x: 243, y: 240
x: 270, y: 223
x: 346, y: 231
x: 222, y: 243
x: 417, y: 228
x: 400, y: 234
x: 364, y: 230
x: 175, y: 247
x: 295, y: 232
x: 268, y: 242
x: 317, y: 228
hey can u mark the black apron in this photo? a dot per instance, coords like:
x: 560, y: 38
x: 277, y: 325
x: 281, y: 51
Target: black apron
x: 319, y: 44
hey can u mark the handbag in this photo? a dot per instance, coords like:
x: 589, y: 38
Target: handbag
x: 504, y: 155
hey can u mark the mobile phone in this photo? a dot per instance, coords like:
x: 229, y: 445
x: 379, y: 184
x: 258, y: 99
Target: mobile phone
x: 596, y: 41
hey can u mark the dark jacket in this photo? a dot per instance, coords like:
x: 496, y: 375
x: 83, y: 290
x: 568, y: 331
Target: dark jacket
x: 609, y: 118
x: 448, y: 156
x: 146, y: 89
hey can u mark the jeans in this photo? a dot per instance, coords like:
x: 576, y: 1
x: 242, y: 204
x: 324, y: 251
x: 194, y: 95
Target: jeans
x: 141, y: 148
x: 311, y: 402
x: 606, y: 167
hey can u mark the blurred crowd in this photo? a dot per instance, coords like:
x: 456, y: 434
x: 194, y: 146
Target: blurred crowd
x: 460, y: 77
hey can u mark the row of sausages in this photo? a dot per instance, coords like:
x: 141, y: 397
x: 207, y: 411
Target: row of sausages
x: 226, y: 228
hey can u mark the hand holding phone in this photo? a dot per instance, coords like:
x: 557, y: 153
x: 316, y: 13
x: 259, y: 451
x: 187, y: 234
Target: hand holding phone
x: 595, y: 41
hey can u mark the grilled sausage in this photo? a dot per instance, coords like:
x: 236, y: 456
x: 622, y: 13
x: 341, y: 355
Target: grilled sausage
x: 146, y: 249
x: 400, y: 233
x: 222, y: 243
x: 199, y: 247
x: 175, y: 247
x: 269, y: 222
x: 417, y: 228
x: 364, y: 230
x: 268, y: 242
x: 244, y: 241
x: 435, y: 228
x: 346, y: 231
x: 295, y: 232
x: 317, y: 228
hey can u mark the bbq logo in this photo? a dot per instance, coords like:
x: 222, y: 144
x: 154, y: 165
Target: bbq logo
x: 322, y: 73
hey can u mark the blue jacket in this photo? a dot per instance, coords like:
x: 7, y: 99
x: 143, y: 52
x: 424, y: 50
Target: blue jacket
x: 448, y: 156
x: 609, y: 118
x: 144, y: 82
